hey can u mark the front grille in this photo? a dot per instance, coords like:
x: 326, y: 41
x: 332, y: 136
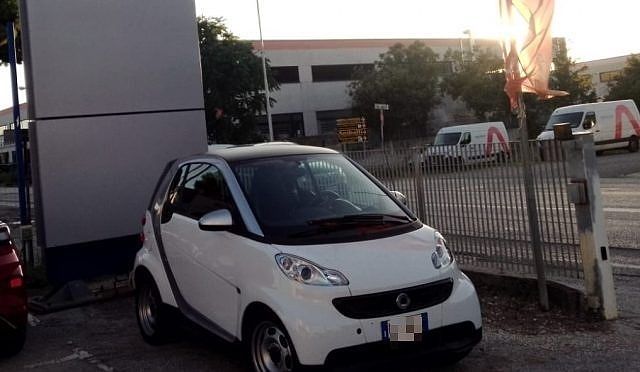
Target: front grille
x: 384, y: 303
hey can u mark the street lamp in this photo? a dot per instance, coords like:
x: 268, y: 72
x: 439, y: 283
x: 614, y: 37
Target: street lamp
x: 264, y: 73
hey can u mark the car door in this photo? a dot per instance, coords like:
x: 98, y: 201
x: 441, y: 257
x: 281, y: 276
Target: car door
x: 201, y: 261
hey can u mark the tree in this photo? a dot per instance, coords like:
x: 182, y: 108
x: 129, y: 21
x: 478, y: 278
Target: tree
x: 405, y: 78
x: 479, y: 82
x: 8, y: 13
x: 628, y: 83
x: 233, y: 84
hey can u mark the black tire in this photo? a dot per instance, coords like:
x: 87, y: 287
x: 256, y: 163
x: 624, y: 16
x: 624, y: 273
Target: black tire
x: 153, y: 318
x: 271, y: 349
x: 633, y: 144
x: 12, y: 341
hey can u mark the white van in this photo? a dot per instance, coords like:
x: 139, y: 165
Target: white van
x: 469, y: 143
x: 614, y: 124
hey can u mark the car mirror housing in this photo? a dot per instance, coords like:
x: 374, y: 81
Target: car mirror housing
x: 399, y: 196
x: 216, y: 221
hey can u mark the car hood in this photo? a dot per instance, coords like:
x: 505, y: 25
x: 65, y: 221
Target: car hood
x: 547, y: 135
x: 377, y: 265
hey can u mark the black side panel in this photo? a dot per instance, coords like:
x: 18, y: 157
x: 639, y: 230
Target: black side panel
x: 91, y: 259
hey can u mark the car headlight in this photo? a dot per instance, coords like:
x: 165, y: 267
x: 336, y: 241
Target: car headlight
x: 442, y: 256
x: 306, y: 272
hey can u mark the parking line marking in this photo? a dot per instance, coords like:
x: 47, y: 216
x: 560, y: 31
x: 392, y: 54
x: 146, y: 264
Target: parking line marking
x: 77, y: 355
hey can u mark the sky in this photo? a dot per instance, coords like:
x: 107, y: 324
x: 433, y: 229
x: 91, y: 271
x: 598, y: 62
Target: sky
x: 593, y: 29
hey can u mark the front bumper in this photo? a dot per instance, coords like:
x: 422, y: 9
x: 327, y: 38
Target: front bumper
x: 455, y: 338
x: 319, y: 331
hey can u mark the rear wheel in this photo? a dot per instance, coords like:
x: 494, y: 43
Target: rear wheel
x: 12, y: 341
x: 633, y: 144
x: 271, y: 348
x: 153, y: 318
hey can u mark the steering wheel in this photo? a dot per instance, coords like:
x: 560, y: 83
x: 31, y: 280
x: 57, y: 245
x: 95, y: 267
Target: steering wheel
x: 324, y: 197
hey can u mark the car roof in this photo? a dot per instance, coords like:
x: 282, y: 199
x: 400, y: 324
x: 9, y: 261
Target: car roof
x: 471, y: 126
x: 587, y: 106
x: 233, y: 153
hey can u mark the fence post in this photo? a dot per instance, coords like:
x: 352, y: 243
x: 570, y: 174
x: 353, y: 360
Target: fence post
x: 419, y: 184
x: 584, y: 193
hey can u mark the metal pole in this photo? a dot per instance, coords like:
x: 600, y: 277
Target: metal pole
x: 382, y: 127
x: 532, y: 210
x: 264, y: 73
x: 584, y: 192
x: 24, y: 212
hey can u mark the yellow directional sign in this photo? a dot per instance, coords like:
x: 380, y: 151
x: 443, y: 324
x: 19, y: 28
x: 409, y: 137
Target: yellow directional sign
x: 351, y: 130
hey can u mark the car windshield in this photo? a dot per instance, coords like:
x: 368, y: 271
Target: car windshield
x: 317, y: 196
x: 447, y: 139
x: 573, y: 118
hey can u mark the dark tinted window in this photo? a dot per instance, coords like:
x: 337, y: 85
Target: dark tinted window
x: 447, y: 139
x: 285, y: 126
x: 573, y: 118
x: 589, y: 120
x: 288, y: 194
x: 337, y: 72
x: 286, y: 74
x: 197, y: 190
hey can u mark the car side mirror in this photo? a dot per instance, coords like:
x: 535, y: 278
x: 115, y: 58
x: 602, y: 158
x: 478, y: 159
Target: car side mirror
x: 216, y: 221
x: 587, y: 124
x: 399, y: 196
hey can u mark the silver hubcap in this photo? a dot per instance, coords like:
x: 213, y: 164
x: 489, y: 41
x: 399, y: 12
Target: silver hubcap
x: 271, y: 349
x: 147, y: 310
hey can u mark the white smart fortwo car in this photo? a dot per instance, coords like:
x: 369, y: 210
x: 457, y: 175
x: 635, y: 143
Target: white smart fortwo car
x: 302, y: 255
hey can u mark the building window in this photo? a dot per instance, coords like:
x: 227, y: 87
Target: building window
x: 327, y: 120
x: 337, y: 72
x: 286, y: 74
x: 608, y: 76
x: 285, y: 126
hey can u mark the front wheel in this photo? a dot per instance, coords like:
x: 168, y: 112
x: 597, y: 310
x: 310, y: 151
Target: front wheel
x: 633, y: 144
x: 271, y: 348
x: 153, y: 319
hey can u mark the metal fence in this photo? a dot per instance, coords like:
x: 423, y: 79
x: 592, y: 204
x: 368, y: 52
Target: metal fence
x: 475, y: 195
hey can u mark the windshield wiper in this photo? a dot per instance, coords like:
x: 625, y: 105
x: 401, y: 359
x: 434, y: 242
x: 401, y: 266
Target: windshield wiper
x: 361, y: 219
x: 350, y: 221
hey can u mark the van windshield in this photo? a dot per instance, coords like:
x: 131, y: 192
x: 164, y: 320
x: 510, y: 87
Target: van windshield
x: 573, y: 118
x: 447, y: 139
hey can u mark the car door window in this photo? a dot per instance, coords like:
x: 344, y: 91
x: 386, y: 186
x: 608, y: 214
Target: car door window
x: 197, y: 189
x: 466, y: 139
x: 589, y: 120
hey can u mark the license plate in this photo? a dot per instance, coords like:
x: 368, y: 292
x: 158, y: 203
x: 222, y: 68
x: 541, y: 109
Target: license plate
x: 406, y: 328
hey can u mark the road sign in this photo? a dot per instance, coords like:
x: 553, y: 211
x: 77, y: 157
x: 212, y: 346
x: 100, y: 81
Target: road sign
x: 381, y: 106
x: 351, y: 130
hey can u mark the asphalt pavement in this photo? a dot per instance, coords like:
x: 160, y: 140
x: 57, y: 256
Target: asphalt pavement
x: 105, y: 337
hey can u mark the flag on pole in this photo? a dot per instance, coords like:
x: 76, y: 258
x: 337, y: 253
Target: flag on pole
x: 527, y: 48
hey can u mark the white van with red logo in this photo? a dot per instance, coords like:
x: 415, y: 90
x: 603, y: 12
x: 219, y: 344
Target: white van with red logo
x: 469, y: 143
x: 614, y: 124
